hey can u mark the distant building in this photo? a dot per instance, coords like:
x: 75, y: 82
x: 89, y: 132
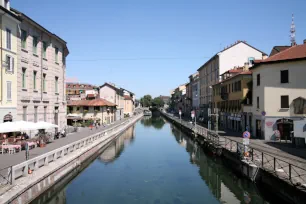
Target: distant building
x: 98, y: 109
x: 277, y: 49
x: 166, y: 100
x: 195, y: 90
x: 80, y: 91
x: 128, y: 105
x: 236, y: 55
x: 279, y: 94
x: 178, y: 99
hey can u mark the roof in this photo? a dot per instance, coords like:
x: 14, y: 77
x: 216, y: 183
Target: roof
x: 78, y: 85
x: 297, y: 52
x: 91, y: 95
x: 277, y: 49
x: 241, y: 73
x: 95, y: 102
x: 110, y: 85
x: 236, y: 43
x: 10, y: 13
x: 127, y: 97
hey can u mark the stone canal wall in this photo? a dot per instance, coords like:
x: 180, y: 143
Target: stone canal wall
x: 279, y: 178
x: 53, y: 167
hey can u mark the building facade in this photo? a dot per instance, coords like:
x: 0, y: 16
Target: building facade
x: 114, y: 95
x: 195, y: 90
x: 9, y: 62
x: 80, y: 91
x: 41, y: 73
x: 229, y: 96
x: 235, y: 55
x: 98, y: 109
x: 128, y: 105
x: 279, y: 94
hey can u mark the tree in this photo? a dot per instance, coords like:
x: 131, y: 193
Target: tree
x: 146, y: 101
x: 158, y: 102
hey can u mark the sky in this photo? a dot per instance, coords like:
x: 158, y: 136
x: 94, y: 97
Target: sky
x: 151, y: 47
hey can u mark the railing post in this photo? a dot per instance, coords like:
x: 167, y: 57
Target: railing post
x: 11, y: 173
x: 262, y: 159
x: 274, y: 162
x: 237, y: 147
x: 252, y: 154
x: 289, y: 171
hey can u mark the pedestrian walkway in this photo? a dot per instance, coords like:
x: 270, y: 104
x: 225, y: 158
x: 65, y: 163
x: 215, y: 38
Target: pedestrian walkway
x: 7, y: 160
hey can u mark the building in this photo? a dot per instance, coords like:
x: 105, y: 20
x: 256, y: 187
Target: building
x: 229, y: 95
x: 9, y: 62
x: 235, y: 55
x: 128, y: 105
x: 97, y: 109
x: 41, y: 70
x: 113, y: 94
x: 80, y: 91
x: 188, y: 100
x: 195, y: 89
x: 178, y: 99
x: 279, y: 94
x: 277, y: 49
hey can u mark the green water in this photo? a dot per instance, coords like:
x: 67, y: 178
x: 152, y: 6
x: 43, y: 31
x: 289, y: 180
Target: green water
x: 154, y: 162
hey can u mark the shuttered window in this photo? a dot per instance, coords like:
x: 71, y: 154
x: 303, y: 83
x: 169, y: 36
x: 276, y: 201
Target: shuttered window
x: 23, y: 39
x: 24, y: 78
x: 35, y: 42
x: 258, y: 79
x: 8, y: 39
x: 10, y: 63
x: 285, y: 101
x: 9, y: 90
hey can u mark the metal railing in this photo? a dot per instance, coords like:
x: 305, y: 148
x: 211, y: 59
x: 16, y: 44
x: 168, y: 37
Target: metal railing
x: 283, y: 169
x: 10, y: 174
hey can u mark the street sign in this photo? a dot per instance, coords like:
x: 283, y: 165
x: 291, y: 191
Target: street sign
x: 246, y: 134
x: 246, y: 141
x: 180, y: 112
x: 192, y: 114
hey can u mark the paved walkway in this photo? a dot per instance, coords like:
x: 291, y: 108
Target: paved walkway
x: 7, y: 160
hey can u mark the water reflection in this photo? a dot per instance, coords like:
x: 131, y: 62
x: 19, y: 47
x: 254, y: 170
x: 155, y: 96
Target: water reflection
x: 157, y: 122
x: 116, y: 148
x: 224, y: 185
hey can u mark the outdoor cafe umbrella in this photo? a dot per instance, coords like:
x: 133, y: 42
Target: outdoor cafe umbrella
x: 44, y: 125
x: 17, y: 126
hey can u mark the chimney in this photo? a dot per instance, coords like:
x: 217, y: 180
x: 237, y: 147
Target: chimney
x: 246, y: 66
x: 304, y: 41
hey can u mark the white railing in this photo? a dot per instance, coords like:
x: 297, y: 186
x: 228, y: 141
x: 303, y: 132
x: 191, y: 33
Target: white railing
x: 22, y: 169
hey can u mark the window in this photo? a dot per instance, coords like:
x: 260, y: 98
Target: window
x: 239, y: 85
x: 284, y: 76
x: 44, y: 83
x: 232, y: 87
x: 35, y: 42
x: 23, y: 39
x: 251, y: 60
x: 9, y: 90
x: 45, y: 50
x: 45, y: 113
x: 35, y: 114
x: 284, y: 101
x: 10, y: 63
x: 257, y: 102
x: 56, y: 84
x: 56, y: 54
x: 258, y: 79
x: 24, y: 78
x: 24, y: 113
x: 229, y: 88
x: 63, y: 58
x: 8, y: 39
x: 34, y: 80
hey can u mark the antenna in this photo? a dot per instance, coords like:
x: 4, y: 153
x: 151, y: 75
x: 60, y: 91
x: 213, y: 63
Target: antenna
x: 292, y: 32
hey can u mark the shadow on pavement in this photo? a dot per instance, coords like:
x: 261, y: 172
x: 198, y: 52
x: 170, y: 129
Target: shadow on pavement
x: 287, y: 147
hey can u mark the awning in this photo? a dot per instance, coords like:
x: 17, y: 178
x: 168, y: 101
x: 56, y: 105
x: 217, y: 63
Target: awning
x: 17, y: 126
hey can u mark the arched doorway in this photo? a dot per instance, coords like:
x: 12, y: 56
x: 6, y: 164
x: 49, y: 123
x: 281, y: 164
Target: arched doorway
x: 285, y: 127
x: 8, y: 118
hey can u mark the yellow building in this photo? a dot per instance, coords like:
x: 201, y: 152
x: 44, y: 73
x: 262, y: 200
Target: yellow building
x: 228, y: 97
x: 9, y: 66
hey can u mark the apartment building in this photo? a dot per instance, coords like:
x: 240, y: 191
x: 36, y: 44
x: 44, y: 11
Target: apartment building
x: 235, y: 55
x: 113, y: 94
x: 9, y: 67
x: 229, y: 95
x: 279, y: 94
x: 41, y: 72
x: 195, y: 92
x: 80, y: 91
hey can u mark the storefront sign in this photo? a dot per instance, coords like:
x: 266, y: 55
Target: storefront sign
x: 269, y: 124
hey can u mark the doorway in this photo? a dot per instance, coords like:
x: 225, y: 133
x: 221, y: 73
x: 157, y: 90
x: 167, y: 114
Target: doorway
x: 285, y: 127
x: 258, y: 129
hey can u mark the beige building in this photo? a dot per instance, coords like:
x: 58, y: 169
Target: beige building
x: 235, y: 55
x: 97, y: 109
x: 128, y: 105
x: 9, y: 22
x: 279, y: 94
x: 114, y: 95
x: 41, y: 74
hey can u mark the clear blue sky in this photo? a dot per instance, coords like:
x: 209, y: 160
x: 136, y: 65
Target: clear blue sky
x: 151, y: 48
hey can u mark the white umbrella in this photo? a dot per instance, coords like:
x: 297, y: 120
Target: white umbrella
x: 17, y: 126
x: 44, y: 125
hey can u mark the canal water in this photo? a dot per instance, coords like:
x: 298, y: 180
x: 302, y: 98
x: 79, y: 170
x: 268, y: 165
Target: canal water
x: 154, y: 162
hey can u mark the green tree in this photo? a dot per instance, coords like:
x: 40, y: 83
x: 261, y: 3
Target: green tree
x: 158, y: 102
x: 146, y: 101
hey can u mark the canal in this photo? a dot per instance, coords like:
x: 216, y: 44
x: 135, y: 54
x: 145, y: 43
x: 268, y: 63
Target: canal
x: 154, y: 162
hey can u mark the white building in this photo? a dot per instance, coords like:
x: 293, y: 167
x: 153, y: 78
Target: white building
x: 236, y: 55
x: 279, y: 94
x: 195, y: 88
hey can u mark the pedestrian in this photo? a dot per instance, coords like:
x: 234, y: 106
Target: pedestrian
x: 27, y: 150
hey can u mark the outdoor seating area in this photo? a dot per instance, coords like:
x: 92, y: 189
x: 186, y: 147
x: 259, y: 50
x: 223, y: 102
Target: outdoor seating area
x: 14, y: 137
